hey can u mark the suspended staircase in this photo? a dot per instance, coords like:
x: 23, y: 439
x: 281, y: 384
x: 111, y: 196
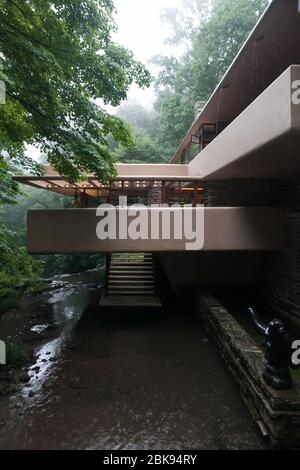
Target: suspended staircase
x: 130, y: 281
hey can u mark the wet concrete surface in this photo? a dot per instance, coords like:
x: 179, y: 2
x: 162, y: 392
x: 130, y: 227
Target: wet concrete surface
x: 138, y: 379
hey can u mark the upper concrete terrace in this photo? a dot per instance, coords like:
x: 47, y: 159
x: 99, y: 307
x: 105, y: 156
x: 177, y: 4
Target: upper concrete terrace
x: 271, y: 48
x: 127, y: 174
x: 262, y: 142
x: 74, y: 230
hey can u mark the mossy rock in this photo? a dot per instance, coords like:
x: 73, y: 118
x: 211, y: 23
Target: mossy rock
x: 9, y: 299
x: 16, y: 355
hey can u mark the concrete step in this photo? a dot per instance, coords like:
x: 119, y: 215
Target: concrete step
x: 131, y: 276
x: 131, y: 271
x: 130, y: 288
x: 130, y: 301
x: 147, y: 257
x: 131, y: 293
x: 131, y: 281
x: 146, y: 277
x: 128, y: 263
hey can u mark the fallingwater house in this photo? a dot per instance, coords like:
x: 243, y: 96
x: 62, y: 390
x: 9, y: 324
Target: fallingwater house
x: 241, y: 160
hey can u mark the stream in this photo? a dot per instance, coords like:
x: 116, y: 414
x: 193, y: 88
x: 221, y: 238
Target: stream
x: 119, y: 378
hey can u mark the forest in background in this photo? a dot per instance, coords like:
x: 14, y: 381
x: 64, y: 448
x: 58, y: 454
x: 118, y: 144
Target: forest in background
x: 210, y: 33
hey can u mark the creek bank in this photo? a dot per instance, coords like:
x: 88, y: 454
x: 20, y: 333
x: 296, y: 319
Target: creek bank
x: 42, y: 316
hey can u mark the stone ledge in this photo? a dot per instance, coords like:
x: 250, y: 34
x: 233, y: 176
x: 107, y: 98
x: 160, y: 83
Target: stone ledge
x: 279, y: 411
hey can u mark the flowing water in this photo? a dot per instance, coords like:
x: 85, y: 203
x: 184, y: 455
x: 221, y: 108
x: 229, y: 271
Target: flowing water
x: 124, y: 379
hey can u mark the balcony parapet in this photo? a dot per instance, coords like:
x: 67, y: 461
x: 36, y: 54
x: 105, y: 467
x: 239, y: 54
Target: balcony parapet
x: 67, y: 231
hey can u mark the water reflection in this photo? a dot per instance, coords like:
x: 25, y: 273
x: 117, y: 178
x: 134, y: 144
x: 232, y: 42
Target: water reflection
x: 70, y: 297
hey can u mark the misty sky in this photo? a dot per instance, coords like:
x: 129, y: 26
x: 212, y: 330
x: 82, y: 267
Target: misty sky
x: 141, y: 30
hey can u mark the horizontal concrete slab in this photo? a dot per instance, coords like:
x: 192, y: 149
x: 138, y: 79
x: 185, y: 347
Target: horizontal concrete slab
x: 67, y: 231
x: 271, y: 48
x: 143, y: 170
x: 263, y: 141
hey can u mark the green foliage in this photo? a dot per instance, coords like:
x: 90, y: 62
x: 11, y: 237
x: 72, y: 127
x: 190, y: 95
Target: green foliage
x: 193, y: 78
x: 212, y: 32
x: 146, y: 130
x: 14, y: 234
x: 146, y: 150
x: 15, y: 355
x: 8, y: 187
x: 140, y: 118
x: 70, y: 264
x: 38, y: 286
x: 9, y: 299
x: 57, y: 59
x: 15, y: 264
x: 184, y: 20
x: 58, y: 62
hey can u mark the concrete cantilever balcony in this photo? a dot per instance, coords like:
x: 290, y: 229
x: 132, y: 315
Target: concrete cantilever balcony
x: 263, y: 141
x: 67, y: 231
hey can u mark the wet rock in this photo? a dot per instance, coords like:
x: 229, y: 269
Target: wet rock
x: 49, y: 384
x: 124, y: 391
x: 24, y: 378
x: 32, y: 337
x: 11, y: 377
x: 4, y: 389
x: 66, y: 363
x: 36, y: 369
x: 52, y: 327
x: 204, y: 340
x: 31, y: 393
x: 102, y: 355
x: 53, y: 359
x: 75, y: 384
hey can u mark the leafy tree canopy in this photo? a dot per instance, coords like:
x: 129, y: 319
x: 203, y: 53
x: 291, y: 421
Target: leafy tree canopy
x: 140, y: 117
x: 146, y: 130
x: 184, y: 20
x: 224, y: 26
x: 60, y: 65
x: 145, y: 150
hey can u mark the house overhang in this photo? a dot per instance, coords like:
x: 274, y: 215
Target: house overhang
x: 263, y: 141
x: 270, y: 49
x: 134, y: 176
x: 68, y: 231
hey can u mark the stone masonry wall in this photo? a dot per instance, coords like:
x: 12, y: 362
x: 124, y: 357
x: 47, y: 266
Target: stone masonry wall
x: 282, y: 270
x: 245, y: 193
x: 277, y: 413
